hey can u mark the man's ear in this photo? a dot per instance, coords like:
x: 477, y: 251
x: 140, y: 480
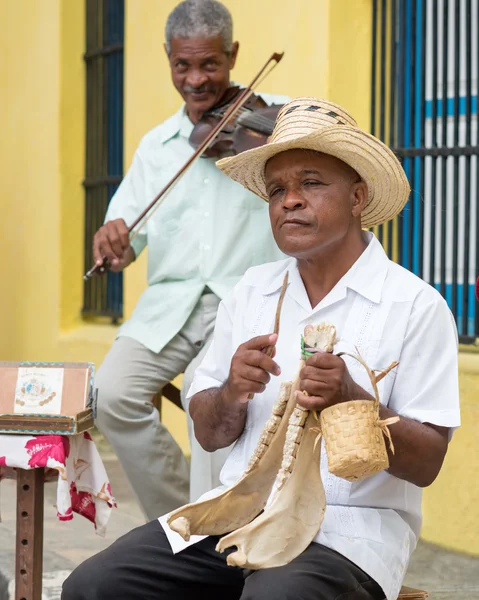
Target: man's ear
x: 360, y: 196
x: 234, y: 54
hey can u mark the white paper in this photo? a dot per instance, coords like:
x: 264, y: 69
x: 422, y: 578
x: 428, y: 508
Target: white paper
x: 177, y: 543
x: 39, y: 391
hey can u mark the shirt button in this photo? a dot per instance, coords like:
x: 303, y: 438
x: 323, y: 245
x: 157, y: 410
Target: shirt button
x: 206, y: 181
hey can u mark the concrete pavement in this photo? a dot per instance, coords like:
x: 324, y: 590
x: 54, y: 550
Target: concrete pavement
x: 446, y: 575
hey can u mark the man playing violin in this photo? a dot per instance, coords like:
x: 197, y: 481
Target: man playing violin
x: 208, y: 231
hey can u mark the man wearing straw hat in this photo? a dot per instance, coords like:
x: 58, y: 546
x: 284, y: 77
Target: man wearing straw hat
x: 326, y: 181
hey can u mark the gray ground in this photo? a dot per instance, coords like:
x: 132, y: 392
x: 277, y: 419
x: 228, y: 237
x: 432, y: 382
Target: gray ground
x: 446, y: 575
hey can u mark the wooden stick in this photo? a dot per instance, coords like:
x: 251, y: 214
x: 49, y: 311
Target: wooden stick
x: 270, y: 349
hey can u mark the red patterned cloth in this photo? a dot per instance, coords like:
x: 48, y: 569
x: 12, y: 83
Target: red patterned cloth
x: 82, y: 482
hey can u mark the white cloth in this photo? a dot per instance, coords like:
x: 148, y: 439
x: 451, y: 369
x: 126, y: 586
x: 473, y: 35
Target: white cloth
x: 207, y: 232
x: 388, y: 314
x: 82, y: 483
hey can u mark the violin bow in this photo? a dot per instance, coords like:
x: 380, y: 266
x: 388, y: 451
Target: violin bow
x: 142, y: 219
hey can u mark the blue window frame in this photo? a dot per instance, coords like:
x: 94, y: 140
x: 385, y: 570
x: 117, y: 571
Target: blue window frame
x: 103, y: 296
x: 425, y: 72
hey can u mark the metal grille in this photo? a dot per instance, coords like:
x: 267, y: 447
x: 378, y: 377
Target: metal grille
x: 103, y: 296
x: 425, y: 61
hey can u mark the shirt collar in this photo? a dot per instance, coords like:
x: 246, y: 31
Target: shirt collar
x: 368, y: 274
x: 366, y: 277
x: 179, y: 123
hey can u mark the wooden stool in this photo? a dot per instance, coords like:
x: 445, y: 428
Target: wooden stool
x: 29, y: 538
x: 172, y: 393
x: 407, y: 593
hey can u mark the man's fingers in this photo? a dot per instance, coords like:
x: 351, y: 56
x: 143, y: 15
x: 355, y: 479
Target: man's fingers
x: 97, y: 255
x: 311, y: 402
x: 324, y: 360
x: 114, y: 240
x: 116, y: 247
x: 106, y: 250
x: 251, y: 366
x: 313, y: 373
x: 314, y: 388
x: 255, y: 374
x: 110, y: 242
x: 255, y: 358
x: 260, y: 342
x: 118, y: 236
x: 253, y: 387
x: 122, y: 233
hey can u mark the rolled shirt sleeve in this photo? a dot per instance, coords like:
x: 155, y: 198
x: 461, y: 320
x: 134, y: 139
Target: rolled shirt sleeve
x: 129, y: 200
x: 214, y: 368
x: 426, y: 388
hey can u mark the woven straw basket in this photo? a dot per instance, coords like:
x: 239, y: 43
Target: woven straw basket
x: 354, y: 434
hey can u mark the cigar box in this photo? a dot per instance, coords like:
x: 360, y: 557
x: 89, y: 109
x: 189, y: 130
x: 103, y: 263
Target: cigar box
x: 46, y: 398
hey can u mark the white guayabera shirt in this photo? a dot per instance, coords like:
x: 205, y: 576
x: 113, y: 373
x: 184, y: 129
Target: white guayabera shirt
x: 207, y: 232
x: 388, y: 314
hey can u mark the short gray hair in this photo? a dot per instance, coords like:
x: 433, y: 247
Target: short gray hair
x: 200, y: 18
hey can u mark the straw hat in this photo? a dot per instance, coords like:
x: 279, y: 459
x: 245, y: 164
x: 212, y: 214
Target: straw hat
x: 325, y: 127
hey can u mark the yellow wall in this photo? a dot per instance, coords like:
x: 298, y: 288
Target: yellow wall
x: 42, y: 120
x: 29, y: 156
x: 450, y: 506
x: 72, y: 160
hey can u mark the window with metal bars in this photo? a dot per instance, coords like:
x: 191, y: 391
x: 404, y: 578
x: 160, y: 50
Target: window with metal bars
x: 103, y: 296
x: 425, y: 72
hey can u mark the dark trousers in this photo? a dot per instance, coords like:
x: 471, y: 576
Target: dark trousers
x: 141, y: 565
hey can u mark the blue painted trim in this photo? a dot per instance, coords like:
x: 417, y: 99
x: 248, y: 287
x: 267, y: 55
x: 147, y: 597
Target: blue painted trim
x: 419, y: 92
x: 406, y: 214
x: 450, y: 107
x: 115, y: 82
x: 412, y: 110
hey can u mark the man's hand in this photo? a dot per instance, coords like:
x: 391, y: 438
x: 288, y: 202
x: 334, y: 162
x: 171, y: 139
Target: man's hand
x: 250, y: 370
x: 326, y: 381
x: 112, y: 242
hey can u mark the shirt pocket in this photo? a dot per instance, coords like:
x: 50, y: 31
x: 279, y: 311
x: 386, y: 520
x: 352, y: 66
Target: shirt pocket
x: 175, y: 217
x: 353, y: 523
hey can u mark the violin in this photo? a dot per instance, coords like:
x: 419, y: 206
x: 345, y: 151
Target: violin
x: 249, y: 128
x: 234, y: 116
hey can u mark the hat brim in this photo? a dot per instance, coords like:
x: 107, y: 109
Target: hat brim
x: 376, y: 164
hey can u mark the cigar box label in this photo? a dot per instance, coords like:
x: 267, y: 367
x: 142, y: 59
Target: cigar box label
x: 39, y: 391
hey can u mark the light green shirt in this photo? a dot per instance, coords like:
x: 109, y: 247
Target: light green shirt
x: 207, y: 232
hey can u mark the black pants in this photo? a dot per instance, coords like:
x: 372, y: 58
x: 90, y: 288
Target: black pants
x: 141, y: 565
